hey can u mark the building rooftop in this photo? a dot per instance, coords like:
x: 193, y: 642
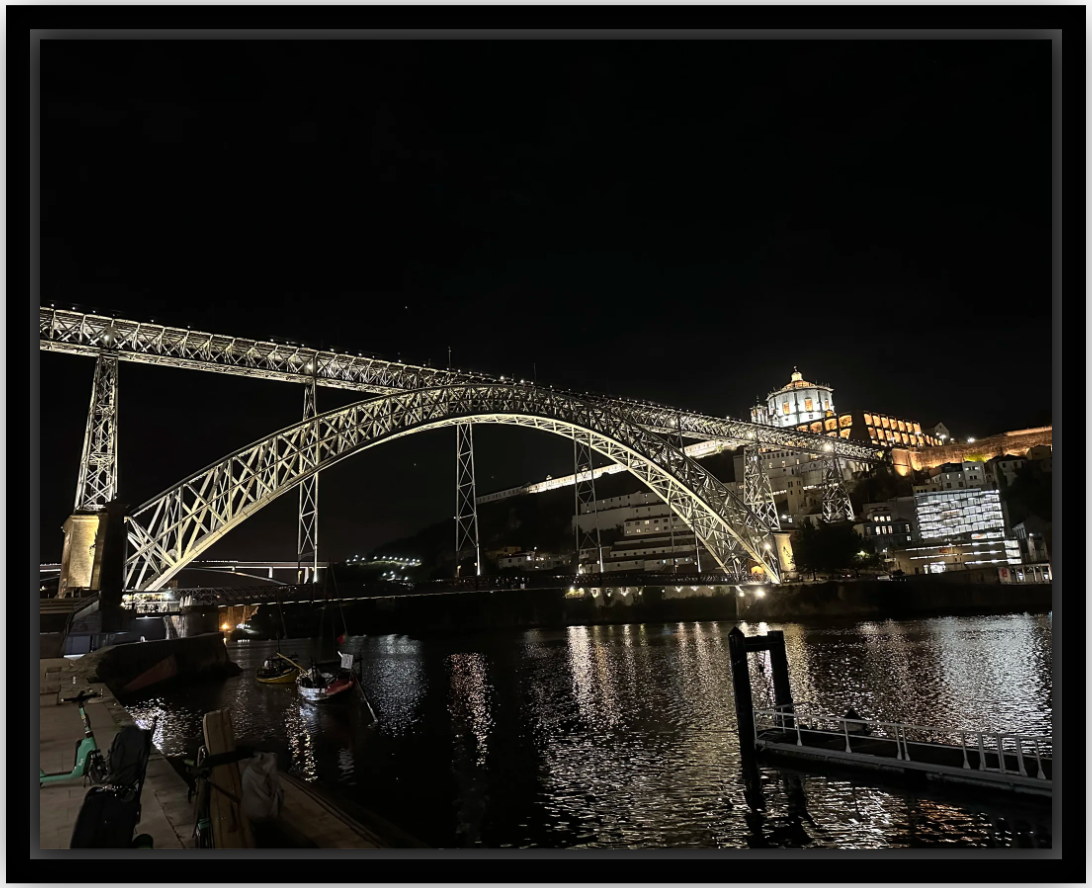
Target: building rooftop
x: 798, y: 382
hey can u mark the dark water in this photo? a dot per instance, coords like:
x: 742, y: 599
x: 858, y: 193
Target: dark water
x: 624, y: 736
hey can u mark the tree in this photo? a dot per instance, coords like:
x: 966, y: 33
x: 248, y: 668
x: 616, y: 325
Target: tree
x: 881, y: 485
x: 1030, y: 494
x: 828, y: 548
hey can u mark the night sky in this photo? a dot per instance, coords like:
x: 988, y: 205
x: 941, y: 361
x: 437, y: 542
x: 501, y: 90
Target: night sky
x: 677, y: 221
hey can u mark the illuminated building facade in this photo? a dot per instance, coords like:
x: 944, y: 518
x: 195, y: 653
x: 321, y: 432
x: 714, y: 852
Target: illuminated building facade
x: 809, y: 407
x: 890, y: 525
x: 954, y: 476
x: 972, y: 512
x: 797, y: 403
x: 942, y: 557
x: 876, y: 428
x: 534, y: 560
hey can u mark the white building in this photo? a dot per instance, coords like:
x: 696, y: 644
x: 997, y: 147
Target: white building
x: 798, y: 402
x: 944, y: 556
x: 613, y: 512
x: 652, y: 539
x: 955, y: 476
x: 971, y: 512
x: 1001, y: 471
x: 533, y: 560
x: 889, y: 525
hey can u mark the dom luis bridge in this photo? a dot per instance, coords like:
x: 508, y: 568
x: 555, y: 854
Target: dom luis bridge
x: 114, y: 550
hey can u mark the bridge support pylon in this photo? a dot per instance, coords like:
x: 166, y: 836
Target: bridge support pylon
x: 836, y: 504
x: 466, y: 500
x: 307, y: 540
x: 584, y: 495
x: 757, y: 491
x: 98, y: 481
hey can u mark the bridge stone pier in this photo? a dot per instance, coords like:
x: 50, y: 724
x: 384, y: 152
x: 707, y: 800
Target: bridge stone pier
x: 200, y: 620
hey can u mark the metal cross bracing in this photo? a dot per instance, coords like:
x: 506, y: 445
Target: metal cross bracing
x: 307, y: 539
x: 76, y: 332
x: 466, y: 502
x: 213, y: 501
x: 836, y: 502
x: 98, y: 479
x: 757, y: 491
x: 584, y: 495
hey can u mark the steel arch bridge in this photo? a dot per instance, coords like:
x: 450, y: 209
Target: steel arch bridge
x: 172, y: 529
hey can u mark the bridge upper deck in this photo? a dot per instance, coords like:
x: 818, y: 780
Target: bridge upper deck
x: 82, y: 333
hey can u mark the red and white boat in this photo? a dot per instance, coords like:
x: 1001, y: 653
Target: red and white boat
x: 317, y: 686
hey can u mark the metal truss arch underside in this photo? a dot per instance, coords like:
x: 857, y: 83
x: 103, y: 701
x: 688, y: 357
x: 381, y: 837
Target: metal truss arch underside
x: 175, y: 527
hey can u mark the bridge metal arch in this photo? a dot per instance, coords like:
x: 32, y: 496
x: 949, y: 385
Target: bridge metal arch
x: 173, y: 528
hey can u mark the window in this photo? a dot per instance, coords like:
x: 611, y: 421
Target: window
x: 868, y: 419
x: 785, y: 407
x: 807, y: 404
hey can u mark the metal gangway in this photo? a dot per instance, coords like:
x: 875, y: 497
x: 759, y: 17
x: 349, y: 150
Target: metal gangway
x: 1002, y: 760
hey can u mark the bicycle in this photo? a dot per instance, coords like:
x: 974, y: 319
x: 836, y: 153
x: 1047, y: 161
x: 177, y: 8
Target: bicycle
x: 89, y: 762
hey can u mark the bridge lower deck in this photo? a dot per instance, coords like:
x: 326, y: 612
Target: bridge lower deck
x: 953, y: 764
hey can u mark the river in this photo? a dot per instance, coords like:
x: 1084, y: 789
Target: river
x: 623, y: 736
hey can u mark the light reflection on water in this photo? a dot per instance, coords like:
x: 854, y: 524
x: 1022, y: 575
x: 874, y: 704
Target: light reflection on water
x: 624, y: 736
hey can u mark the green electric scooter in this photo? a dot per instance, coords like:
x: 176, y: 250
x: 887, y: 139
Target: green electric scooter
x: 90, y: 761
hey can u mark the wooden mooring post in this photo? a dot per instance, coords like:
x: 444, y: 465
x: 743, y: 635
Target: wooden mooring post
x: 739, y: 646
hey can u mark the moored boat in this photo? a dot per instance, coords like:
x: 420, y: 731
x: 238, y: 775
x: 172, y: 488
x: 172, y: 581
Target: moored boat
x: 317, y: 686
x: 278, y: 670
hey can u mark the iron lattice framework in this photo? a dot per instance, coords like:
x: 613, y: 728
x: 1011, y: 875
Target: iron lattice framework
x: 307, y: 540
x: 757, y: 492
x: 836, y: 503
x: 466, y: 504
x: 172, y: 529
x: 98, y: 481
x: 584, y: 495
x: 76, y: 332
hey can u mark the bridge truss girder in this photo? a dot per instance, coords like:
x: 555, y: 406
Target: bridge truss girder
x: 211, y: 502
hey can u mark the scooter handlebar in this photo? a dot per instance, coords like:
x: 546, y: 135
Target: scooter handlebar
x: 81, y: 696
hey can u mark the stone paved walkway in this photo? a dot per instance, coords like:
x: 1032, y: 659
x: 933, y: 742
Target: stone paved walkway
x: 166, y: 815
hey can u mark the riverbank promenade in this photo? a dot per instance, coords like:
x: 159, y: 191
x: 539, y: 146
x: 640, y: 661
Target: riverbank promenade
x: 166, y: 815
x: 308, y: 819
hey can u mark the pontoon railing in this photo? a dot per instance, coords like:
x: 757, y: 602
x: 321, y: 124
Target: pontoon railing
x: 1029, y: 751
